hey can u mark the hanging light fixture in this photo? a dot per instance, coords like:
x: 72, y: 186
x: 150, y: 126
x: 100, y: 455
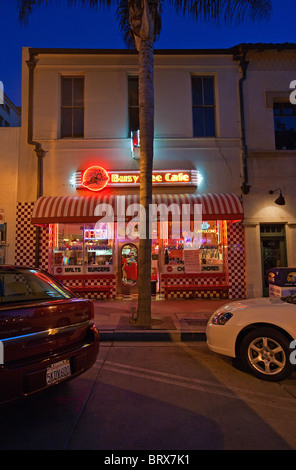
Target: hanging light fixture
x: 279, y: 200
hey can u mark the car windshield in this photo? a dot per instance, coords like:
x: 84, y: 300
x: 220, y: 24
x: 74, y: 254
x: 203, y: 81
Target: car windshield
x: 22, y: 286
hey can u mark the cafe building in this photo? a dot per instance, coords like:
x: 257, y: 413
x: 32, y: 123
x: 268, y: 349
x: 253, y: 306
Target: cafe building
x: 79, y: 176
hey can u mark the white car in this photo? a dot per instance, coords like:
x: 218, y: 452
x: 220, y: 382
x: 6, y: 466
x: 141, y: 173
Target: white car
x: 259, y: 333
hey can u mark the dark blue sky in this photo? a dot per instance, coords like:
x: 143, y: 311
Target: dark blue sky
x: 58, y: 26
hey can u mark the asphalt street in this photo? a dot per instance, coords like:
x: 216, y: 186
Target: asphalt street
x: 159, y: 397
x: 155, y: 392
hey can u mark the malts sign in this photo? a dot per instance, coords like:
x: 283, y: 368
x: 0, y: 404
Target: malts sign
x: 95, y: 178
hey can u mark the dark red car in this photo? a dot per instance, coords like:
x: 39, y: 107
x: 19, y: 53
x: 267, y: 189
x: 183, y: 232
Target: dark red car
x: 47, y: 334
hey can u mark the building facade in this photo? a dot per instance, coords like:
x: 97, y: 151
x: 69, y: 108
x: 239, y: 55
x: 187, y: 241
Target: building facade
x: 10, y: 121
x: 10, y: 114
x: 79, y: 149
x: 270, y: 126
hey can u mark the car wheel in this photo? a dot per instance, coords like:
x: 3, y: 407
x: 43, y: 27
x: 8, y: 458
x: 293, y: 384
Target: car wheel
x: 265, y: 353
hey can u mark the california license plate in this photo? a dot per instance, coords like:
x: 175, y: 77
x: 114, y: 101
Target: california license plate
x: 58, y: 371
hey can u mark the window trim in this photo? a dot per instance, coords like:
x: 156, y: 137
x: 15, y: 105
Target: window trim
x: 72, y: 76
x: 130, y: 76
x: 272, y: 97
x: 203, y: 106
x: 281, y: 102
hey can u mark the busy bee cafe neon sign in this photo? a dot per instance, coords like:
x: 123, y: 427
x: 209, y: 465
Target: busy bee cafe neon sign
x: 96, y: 178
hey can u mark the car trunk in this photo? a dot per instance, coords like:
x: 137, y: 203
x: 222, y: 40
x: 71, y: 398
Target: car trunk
x: 43, y: 328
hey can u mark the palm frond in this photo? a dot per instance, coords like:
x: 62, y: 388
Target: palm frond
x: 227, y: 10
x: 206, y: 10
x: 26, y: 7
x: 123, y: 17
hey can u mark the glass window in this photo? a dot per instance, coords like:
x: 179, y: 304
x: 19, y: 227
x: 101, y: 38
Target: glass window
x: 284, y: 115
x: 98, y: 241
x: 203, y: 106
x: 68, y: 248
x: 82, y: 248
x: 212, y: 247
x: 181, y: 255
x: 133, y: 104
x: 72, y: 107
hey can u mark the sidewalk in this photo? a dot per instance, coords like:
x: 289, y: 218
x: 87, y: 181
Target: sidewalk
x: 172, y: 320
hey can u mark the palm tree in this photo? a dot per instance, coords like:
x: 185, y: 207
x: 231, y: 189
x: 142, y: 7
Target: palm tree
x: 140, y: 24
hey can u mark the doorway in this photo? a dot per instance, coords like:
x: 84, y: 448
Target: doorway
x: 127, y: 277
x: 273, y: 250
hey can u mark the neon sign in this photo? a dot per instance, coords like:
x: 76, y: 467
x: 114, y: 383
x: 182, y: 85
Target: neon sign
x: 95, y: 178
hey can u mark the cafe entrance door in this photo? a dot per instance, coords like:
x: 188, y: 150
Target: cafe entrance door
x: 127, y: 277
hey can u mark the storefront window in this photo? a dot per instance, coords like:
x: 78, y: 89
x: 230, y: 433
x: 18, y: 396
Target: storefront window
x: 67, y: 248
x: 81, y: 248
x: 181, y: 255
x: 98, y: 248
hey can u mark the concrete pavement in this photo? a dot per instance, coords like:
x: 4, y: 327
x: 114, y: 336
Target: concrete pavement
x: 172, y: 320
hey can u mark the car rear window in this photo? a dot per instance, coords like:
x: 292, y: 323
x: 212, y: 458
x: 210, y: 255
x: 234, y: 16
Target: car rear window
x: 19, y: 286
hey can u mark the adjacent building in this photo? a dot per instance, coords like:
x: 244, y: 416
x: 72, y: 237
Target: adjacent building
x: 10, y: 121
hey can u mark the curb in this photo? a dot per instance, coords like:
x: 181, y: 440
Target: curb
x: 147, y: 335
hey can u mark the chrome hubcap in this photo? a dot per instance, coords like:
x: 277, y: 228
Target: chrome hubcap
x: 266, y: 355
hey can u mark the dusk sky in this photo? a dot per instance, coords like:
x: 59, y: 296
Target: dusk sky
x: 77, y: 27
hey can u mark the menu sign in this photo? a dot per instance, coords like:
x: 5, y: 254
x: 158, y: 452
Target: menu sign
x: 78, y: 270
x: 192, y: 261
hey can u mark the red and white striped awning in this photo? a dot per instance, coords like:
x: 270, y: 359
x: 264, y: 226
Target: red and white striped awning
x: 75, y: 209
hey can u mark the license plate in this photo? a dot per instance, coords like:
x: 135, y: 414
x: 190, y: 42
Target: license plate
x: 58, y: 371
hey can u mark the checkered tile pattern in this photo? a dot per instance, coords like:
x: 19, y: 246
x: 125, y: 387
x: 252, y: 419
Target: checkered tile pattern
x: 189, y: 280
x: 236, y: 261
x: 93, y: 282
x: 101, y: 282
x: 202, y: 294
x: 26, y: 238
x: 25, y: 235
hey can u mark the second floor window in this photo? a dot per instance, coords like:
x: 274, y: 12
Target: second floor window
x: 203, y: 106
x: 284, y: 115
x: 72, y: 107
x: 133, y: 104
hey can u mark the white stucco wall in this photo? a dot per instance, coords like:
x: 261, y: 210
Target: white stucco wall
x: 106, y: 119
x: 9, y: 152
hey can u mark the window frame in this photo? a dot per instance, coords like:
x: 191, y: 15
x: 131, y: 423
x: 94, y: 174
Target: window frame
x: 281, y: 104
x: 132, y: 106
x: 204, y: 106
x: 72, y: 107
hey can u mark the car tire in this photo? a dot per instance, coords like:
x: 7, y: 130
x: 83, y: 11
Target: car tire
x: 264, y: 352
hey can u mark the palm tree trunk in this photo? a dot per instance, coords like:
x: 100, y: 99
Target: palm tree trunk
x: 146, y: 106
